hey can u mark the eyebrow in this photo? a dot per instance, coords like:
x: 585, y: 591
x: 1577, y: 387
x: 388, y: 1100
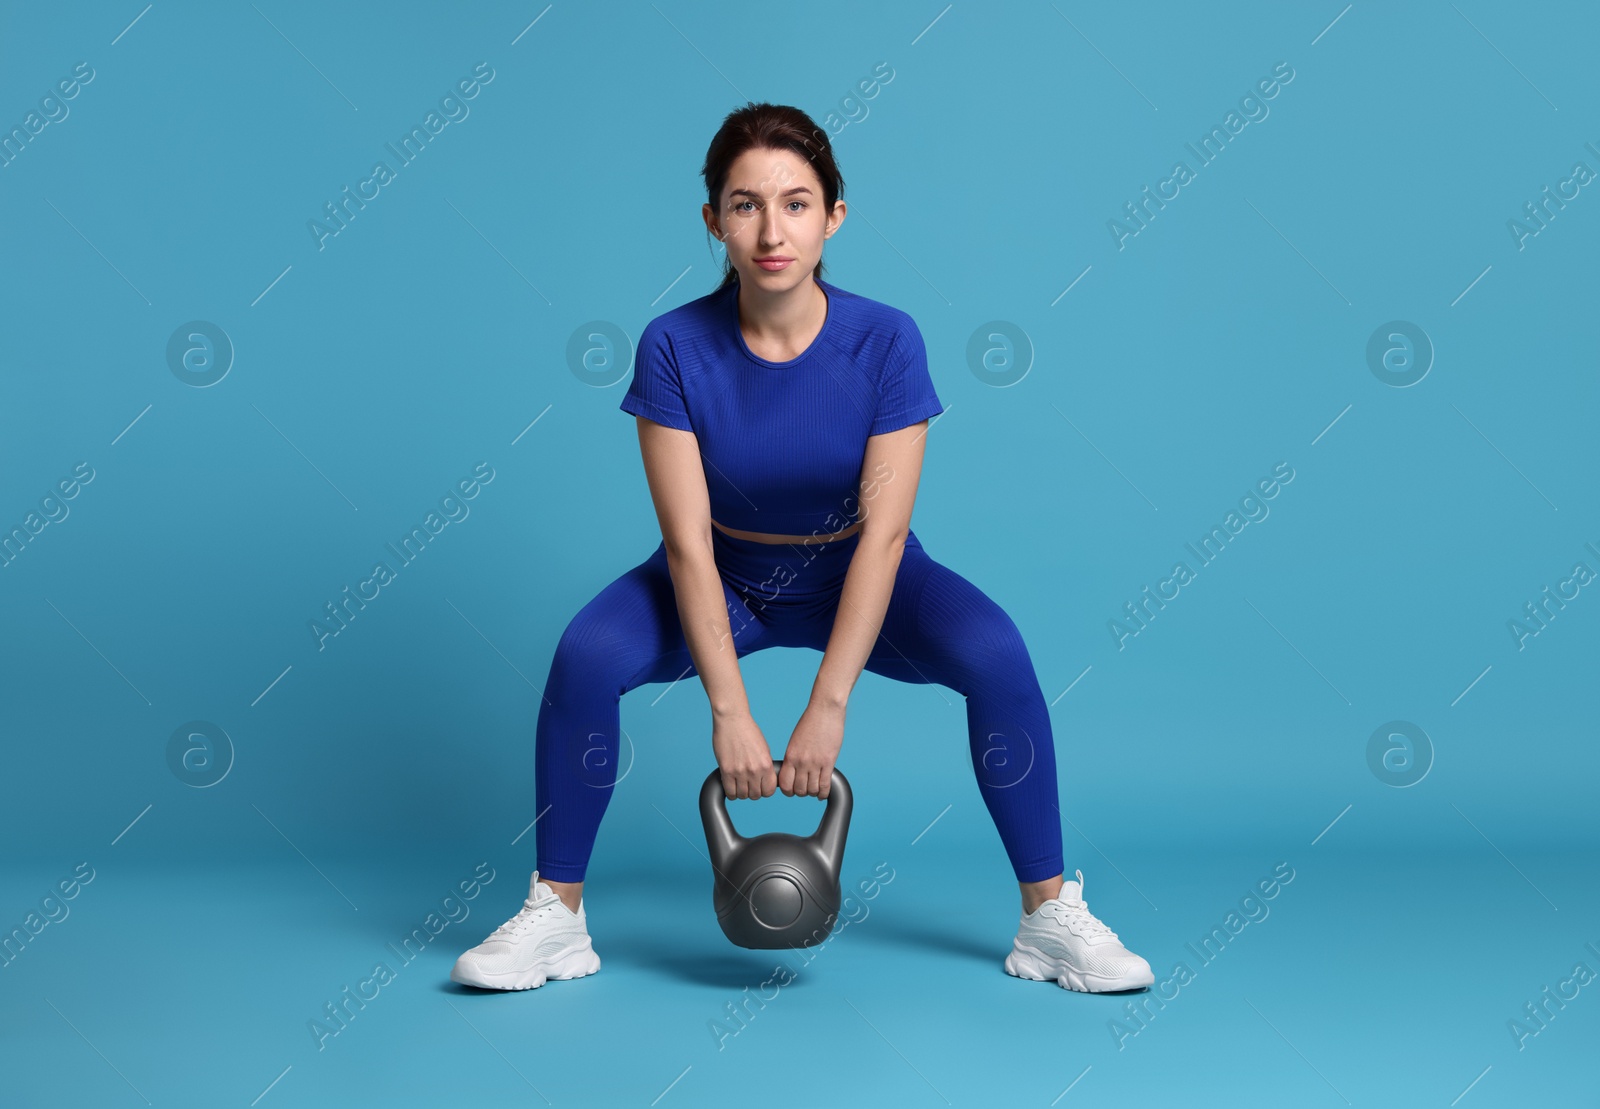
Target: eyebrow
x: 787, y: 192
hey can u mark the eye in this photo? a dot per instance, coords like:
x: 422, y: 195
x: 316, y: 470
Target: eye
x: 740, y: 206
x: 799, y: 202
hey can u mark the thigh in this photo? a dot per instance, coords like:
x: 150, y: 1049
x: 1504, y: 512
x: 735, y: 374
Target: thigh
x: 630, y: 633
x: 940, y: 627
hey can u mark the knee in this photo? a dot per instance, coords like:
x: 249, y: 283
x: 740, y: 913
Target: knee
x: 987, y: 644
x: 579, y: 732
x: 594, y: 651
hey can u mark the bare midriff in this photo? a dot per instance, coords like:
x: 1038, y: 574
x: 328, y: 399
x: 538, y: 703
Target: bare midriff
x: 766, y: 537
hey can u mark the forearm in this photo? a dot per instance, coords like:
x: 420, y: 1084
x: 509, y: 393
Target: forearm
x: 868, y: 585
x: 703, y: 612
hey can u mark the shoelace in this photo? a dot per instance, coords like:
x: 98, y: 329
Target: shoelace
x: 1078, y: 912
x: 527, y: 916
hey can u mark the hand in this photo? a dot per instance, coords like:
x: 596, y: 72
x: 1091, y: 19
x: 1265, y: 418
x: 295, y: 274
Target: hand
x: 813, y: 748
x: 743, y: 757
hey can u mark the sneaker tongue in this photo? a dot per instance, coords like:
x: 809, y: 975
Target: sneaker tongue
x: 1070, y: 891
x: 537, y: 889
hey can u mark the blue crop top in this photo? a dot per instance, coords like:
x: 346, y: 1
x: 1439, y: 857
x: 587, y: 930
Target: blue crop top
x: 783, y: 442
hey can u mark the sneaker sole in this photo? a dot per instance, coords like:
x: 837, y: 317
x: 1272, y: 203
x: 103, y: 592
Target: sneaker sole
x: 1035, y: 965
x: 574, y: 964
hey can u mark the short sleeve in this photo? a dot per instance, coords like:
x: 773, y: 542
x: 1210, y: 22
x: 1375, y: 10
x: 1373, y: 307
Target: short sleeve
x: 905, y: 394
x: 656, y: 392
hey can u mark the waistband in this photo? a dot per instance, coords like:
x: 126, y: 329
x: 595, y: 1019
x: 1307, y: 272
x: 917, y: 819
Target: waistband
x: 756, y: 545
x: 789, y: 569
x: 803, y: 551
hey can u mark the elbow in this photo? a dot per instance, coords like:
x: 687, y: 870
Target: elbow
x: 688, y: 544
x: 890, y: 537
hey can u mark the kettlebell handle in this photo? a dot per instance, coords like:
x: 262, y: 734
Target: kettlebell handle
x: 724, y: 841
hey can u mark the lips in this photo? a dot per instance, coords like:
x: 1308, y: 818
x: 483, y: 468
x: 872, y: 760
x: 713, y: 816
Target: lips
x: 773, y: 263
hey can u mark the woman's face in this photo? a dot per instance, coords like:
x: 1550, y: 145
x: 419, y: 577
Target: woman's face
x: 772, y: 208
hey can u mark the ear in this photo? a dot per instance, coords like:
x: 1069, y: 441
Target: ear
x: 711, y: 223
x: 835, y: 219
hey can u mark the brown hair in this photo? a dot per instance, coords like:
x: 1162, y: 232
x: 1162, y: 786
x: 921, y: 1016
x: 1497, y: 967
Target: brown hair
x: 771, y: 126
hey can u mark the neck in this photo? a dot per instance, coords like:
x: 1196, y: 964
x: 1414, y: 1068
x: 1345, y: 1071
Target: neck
x: 778, y: 317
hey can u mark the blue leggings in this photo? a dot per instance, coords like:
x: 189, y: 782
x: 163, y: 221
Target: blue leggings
x: 939, y: 627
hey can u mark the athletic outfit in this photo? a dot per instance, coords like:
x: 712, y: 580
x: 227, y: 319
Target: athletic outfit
x: 783, y: 447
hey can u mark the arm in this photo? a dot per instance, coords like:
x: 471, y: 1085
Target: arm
x: 683, y: 507
x: 890, y: 472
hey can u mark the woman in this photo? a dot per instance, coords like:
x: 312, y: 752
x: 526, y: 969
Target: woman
x: 781, y: 422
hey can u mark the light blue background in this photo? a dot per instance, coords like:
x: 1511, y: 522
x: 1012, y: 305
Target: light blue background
x: 433, y: 333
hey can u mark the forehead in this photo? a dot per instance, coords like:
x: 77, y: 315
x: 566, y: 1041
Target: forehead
x: 768, y: 172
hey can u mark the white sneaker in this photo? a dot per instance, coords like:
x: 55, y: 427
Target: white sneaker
x: 544, y: 940
x: 1062, y: 939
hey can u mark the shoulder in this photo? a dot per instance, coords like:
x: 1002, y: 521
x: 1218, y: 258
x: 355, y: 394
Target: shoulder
x: 689, y: 319
x: 884, y: 332
x: 869, y: 313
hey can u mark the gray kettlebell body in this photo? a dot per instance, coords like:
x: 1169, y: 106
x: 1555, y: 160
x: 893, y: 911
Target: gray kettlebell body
x: 776, y: 890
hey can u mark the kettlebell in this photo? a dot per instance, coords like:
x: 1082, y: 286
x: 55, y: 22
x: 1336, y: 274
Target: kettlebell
x: 776, y: 890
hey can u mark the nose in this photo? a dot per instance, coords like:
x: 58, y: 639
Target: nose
x: 771, y: 228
